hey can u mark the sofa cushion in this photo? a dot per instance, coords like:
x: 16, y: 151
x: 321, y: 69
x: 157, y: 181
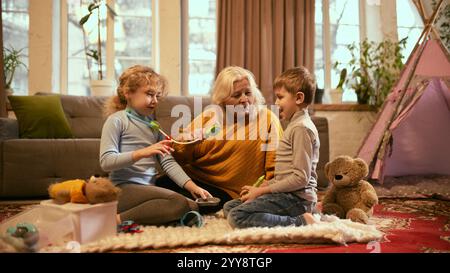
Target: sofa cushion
x: 31, y: 165
x: 85, y: 114
x: 40, y: 117
x: 9, y: 128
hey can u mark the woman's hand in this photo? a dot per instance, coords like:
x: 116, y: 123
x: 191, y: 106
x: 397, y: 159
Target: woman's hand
x: 196, y: 191
x: 250, y: 193
x: 161, y: 148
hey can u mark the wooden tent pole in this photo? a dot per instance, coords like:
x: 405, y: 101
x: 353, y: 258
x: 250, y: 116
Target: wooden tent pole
x: 387, y: 135
x: 423, y: 15
x: 380, y: 141
x: 423, y: 36
x: 430, y: 23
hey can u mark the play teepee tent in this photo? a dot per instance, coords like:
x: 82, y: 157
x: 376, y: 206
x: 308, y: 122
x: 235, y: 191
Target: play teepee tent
x: 411, y: 135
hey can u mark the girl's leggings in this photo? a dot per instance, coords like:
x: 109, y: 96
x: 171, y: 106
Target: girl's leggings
x: 152, y: 205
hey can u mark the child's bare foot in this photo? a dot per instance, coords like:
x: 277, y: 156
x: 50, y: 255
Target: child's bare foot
x: 309, y: 218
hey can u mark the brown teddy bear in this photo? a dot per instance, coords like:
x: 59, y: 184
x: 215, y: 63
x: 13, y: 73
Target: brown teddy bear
x: 349, y: 196
x: 96, y: 190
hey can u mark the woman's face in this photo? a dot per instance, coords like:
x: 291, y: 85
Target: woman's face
x: 241, y: 95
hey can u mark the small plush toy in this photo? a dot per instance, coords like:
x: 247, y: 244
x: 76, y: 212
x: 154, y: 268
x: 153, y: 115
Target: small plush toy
x: 349, y: 196
x: 96, y: 190
x: 23, y: 237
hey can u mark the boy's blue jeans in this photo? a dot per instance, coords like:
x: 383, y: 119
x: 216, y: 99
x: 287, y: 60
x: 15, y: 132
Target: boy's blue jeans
x: 268, y: 210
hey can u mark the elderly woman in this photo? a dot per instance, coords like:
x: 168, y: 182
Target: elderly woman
x: 239, y: 138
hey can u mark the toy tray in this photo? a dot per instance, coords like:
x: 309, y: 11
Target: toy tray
x: 208, y: 202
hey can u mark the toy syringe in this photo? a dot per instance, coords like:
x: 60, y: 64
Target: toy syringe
x: 256, y: 184
x: 259, y: 181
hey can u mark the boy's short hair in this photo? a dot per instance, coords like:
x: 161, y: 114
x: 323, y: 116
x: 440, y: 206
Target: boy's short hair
x: 297, y: 79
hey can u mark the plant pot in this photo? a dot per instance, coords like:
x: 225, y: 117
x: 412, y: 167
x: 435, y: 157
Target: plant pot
x: 335, y: 96
x: 102, y: 88
x: 8, y: 92
x: 363, y: 98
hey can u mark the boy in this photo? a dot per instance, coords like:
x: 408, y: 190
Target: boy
x: 290, y: 197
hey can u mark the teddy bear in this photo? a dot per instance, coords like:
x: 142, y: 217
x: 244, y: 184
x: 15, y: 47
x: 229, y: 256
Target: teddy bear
x: 95, y: 190
x: 349, y: 197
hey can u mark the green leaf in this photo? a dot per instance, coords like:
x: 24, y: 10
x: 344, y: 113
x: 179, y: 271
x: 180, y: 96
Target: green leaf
x: 93, y: 54
x: 342, y: 78
x: 92, y: 6
x: 84, y: 19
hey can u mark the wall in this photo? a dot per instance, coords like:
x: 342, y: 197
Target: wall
x: 41, y: 47
x: 347, y: 130
x: 169, y: 42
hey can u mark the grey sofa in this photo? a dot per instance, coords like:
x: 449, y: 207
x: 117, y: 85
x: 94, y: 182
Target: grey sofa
x: 28, y: 166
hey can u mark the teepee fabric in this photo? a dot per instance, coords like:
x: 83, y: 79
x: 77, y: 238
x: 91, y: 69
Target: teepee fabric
x: 421, y: 135
x: 411, y: 135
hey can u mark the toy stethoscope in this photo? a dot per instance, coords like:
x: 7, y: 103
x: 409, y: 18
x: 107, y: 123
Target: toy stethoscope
x: 154, y: 125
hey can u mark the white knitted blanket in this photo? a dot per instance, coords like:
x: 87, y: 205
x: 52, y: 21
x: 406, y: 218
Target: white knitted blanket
x: 216, y: 231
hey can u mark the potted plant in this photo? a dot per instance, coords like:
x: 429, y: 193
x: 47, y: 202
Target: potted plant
x: 11, y: 62
x: 99, y: 86
x: 374, y: 69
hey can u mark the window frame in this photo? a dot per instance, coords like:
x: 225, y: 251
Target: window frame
x: 27, y: 55
x: 110, y: 50
x: 326, y: 42
x: 185, y: 47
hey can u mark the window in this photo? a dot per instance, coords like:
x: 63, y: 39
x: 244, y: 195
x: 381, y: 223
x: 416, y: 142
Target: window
x: 319, y: 53
x: 337, y: 25
x: 15, y: 35
x: 344, y: 30
x: 132, y: 34
x: 132, y: 28
x: 78, y: 63
x: 409, y: 24
x: 200, y: 41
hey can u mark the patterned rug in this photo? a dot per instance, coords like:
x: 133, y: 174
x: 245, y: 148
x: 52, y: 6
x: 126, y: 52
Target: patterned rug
x: 436, y: 186
x: 217, y: 231
x: 409, y: 225
x: 8, y: 210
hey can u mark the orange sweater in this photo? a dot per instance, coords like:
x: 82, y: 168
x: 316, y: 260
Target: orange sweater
x: 230, y: 164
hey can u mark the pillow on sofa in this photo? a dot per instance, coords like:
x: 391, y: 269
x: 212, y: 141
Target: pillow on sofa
x: 40, y: 117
